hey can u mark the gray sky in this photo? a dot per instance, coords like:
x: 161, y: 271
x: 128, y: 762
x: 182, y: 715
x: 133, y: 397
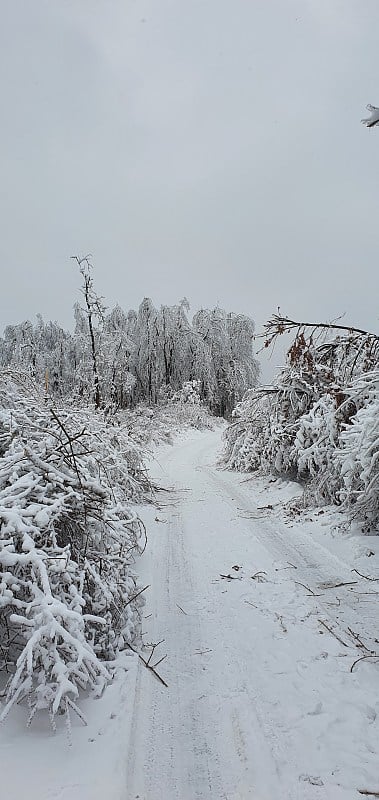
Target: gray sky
x: 206, y: 148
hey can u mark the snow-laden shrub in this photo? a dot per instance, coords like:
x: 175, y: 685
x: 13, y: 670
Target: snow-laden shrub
x: 318, y: 421
x: 315, y: 446
x: 69, y: 598
x: 266, y: 424
x: 358, y: 456
x: 246, y: 435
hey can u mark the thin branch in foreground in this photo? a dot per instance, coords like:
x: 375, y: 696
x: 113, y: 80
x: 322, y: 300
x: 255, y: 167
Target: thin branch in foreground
x: 368, y: 793
x: 279, y: 324
x: 259, y: 576
x: 359, y: 642
x: 153, y: 648
x: 332, y: 633
x: 363, y: 658
x: 366, y: 577
x: 308, y: 589
x: 137, y: 595
x: 147, y: 664
x: 327, y: 585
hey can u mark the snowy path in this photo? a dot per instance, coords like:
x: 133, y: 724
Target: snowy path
x: 260, y: 701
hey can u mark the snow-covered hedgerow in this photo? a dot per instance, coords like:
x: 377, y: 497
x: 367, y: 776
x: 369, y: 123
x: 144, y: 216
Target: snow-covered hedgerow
x: 69, y: 597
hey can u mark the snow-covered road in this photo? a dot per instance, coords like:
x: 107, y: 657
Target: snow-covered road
x: 260, y: 700
x: 260, y: 636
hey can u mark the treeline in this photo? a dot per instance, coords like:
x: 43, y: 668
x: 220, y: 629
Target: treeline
x: 318, y: 422
x: 122, y: 358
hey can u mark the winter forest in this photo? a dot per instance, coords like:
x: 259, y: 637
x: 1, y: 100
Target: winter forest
x: 189, y: 488
x: 80, y: 412
x: 119, y: 359
x: 72, y: 462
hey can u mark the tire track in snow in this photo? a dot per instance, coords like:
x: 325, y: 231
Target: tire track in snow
x: 316, y: 565
x: 190, y: 741
x: 252, y: 712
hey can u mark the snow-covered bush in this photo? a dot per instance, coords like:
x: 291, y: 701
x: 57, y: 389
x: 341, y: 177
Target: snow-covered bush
x: 318, y: 421
x: 267, y: 421
x: 69, y: 598
x: 358, y: 457
x: 246, y: 435
x: 315, y: 446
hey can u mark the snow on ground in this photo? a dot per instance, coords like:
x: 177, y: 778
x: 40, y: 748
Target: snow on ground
x: 260, y: 641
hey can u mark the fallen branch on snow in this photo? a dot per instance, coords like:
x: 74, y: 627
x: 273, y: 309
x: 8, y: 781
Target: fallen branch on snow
x: 327, y: 585
x: 307, y: 588
x: 366, y: 577
x: 358, y: 641
x: 152, y: 667
x: 362, y: 658
x: 332, y: 632
x: 259, y: 576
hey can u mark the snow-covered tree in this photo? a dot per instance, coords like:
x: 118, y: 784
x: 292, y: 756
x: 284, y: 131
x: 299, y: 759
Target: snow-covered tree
x: 69, y: 597
x: 232, y: 366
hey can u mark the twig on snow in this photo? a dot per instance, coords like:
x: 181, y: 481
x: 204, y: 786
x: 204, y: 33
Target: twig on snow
x: 259, y: 576
x: 151, y: 667
x: 327, y: 585
x: 366, y: 577
x: 358, y: 640
x: 333, y: 633
x: 363, y: 658
x: 290, y: 566
x: 157, y: 664
x: 308, y: 589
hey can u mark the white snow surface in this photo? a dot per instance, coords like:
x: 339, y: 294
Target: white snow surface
x: 261, y: 702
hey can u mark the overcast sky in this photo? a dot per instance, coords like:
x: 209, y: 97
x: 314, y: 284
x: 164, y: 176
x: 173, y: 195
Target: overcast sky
x: 202, y: 148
